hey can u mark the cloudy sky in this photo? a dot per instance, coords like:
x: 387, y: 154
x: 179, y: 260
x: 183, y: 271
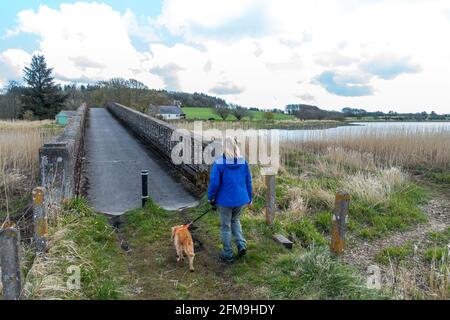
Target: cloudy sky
x: 373, y: 54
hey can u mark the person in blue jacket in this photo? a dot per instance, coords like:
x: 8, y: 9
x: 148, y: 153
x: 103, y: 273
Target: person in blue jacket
x: 230, y: 189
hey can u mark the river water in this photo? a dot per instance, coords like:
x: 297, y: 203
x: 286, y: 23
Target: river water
x: 366, y: 128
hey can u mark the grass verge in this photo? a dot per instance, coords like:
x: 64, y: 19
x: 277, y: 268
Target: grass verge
x: 82, y: 240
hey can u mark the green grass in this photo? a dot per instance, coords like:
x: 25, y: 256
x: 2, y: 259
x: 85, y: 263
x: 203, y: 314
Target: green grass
x: 86, y: 240
x: 268, y: 270
x: 104, y: 266
x: 310, y: 273
x: 153, y: 261
x: 195, y: 113
x: 394, y: 254
x: 437, y: 254
x: 440, y: 177
x: 439, y: 249
x: 147, y: 224
x: 305, y: 232
x: 441, y: 238
x: 400, y: 212
x: 53, y: 127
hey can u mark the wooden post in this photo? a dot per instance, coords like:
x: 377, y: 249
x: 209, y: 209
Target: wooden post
x: 339, y: 224
x: 40, y: 220
x: 10, y: 263
x: 270, y: 178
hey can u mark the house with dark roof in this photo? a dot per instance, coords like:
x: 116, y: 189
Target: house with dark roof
x: 167, y: 112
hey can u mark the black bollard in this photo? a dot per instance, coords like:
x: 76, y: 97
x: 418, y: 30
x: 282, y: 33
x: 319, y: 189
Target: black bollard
x: 144, y: 175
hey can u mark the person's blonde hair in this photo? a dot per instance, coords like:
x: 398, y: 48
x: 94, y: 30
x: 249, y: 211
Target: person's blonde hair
x: 231, y: 149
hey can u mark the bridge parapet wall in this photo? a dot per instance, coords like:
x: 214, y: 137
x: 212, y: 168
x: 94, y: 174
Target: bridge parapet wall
x: 158, y: 134
x: 60, y: 160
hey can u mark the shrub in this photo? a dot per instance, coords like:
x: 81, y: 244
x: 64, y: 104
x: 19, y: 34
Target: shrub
x: 28, y: 115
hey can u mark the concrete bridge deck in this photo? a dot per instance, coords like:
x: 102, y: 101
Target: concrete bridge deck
x: 114, y: 160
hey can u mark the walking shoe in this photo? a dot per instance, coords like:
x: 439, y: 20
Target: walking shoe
x: 242, y: 252
x: 226, y: 260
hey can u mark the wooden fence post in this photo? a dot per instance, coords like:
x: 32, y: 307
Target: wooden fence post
x: 10, y: 263
x: 270, y: 178
x: 339, y: 224
x: 40, y: 220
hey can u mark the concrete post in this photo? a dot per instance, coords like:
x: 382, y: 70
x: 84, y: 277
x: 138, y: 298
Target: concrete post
x: 270, y: 178
x: 339, y: 224
x: 10, y: 263
x: 56, y: 173
x: 40, y: 219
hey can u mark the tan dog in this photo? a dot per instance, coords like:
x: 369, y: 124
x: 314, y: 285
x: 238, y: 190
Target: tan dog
x: 183, y: 243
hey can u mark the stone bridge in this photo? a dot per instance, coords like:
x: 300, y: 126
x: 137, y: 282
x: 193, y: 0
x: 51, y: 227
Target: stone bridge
x: 101, y: 154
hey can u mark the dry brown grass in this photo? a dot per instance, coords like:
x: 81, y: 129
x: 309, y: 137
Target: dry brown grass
x: 23, y: 125
x: 19, y: 157
x: 374, y: 188
x: 418, y: 281
x: 373, y: 147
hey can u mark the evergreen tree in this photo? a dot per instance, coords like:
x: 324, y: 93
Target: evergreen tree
x: 42, y: 96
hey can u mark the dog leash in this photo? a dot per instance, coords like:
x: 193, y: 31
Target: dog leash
x: 201, y: 216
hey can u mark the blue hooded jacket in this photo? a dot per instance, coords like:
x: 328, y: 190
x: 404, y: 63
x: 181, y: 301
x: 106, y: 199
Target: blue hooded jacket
x: 230, y: 184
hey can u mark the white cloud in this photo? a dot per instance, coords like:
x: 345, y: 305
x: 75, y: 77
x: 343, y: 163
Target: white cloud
x: 145, y: 29
x: 334, y: 59
x: 169, y: 74
x: 346, y: 38
x: 12, y: 63
x: 306, y: 97
x: 181, y: 17
x: 226, y: 88
x: 86, y: 41
x: 388, y: 66
x: 339, y: 52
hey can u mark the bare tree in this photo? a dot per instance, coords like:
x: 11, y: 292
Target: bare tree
x: 239, y: 112
x: 222, y: 112
x: 268, y: 116
x: 10, y: 105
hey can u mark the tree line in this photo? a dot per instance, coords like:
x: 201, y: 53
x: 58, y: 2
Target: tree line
x: 40, y: 97
x: 308, y: 112
x: 392, y: 115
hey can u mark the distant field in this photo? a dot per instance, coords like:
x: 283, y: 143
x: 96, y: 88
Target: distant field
x: 207, y: 113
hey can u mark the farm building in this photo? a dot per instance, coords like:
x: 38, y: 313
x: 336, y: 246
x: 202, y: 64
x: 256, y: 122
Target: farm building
x: 169, y: 112
x: 64, y: 116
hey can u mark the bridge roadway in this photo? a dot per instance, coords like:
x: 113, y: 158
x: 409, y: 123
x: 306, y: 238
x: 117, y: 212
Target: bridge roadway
x: 115, y: 159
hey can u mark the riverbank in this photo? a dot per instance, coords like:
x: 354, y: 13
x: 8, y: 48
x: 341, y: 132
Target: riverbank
x: 351, y: 120
x: 263, y: 124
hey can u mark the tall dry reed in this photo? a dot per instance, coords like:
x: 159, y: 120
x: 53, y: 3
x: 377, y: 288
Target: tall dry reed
x: 19, y: 145
x: 401, y: 147
x: 19, y: 157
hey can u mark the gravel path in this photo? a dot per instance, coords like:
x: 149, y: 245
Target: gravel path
x: 437, y: 210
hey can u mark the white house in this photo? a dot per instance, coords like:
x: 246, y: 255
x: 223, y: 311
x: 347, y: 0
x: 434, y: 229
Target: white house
x: 172, y: 112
